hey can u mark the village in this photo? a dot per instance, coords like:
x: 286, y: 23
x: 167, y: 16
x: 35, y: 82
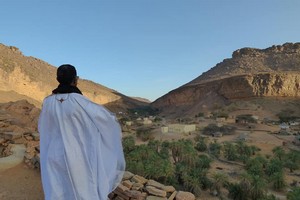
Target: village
x: 244, y: 127
x: 263, y: 133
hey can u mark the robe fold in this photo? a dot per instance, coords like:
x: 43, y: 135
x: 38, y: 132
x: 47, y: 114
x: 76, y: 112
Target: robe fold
x: 80, y: 149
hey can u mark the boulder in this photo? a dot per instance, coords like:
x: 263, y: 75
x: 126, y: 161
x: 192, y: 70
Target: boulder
x: 155, y: 191
x: 172, y: 196
x: 127, y: 184
x: 155, y: 198
x: 139, y: 179
x: 155, y: 184
x: 127, y: 175
x: 168, y: 188
x: 11, y: 135
x: 184, y: 196
x: 137, y: 186
x: 36, y: 136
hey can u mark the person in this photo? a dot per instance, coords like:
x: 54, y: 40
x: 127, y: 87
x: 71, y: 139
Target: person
x: 81, y: 152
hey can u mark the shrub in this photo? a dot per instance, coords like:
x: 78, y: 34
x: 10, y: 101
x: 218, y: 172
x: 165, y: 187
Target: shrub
x: 215, y: 149
x: 294, y: 194
x: 201, y: 145
x: 128, y: 144
x: 144, y: 134
x: 287, y: 115
x: 246, y: 118
x: 213, y: 128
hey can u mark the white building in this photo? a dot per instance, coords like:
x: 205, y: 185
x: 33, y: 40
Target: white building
x: 284, y: 126
x: 164, y: 129
x: 181, y: 128
x: 128, y: 123
x: 147, y: 121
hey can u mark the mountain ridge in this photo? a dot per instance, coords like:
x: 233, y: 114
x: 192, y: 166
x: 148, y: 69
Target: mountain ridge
x: 250, y: 73
x: 35, y: 79
x: 253, y: 60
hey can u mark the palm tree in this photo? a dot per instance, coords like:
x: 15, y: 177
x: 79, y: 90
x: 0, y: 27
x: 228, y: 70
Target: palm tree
x: 192, y: 183
x: 278, y: 180
x: 154, y: 144
x: 230, y: 151
x: 236, y: 191
x: 258, y: 186
x: 241, y: 190
x: 254, y: 167
x: 219, y: 179
x: 201, y: 145
x: 278, y: 152
x: 128, y: 144
x: 292, y: 160
x: 275, y: 165
x: 215, y: 149
x: 294, y: 194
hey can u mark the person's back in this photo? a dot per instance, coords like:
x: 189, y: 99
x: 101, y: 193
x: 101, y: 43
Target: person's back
x: 81, y: 151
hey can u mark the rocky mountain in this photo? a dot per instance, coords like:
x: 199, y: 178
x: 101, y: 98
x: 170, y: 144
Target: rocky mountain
x: 29, y: 78
x: 250, y: 73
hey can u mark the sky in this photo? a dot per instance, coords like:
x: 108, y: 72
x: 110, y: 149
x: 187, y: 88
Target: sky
x: 145, y: 48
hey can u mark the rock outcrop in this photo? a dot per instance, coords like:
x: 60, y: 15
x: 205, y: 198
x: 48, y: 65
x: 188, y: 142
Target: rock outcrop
x: 249, y: 61
x: 135, y: 187
x: 272, y: 72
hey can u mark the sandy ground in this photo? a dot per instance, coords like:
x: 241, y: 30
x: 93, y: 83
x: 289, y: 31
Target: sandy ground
x: 20, y: 183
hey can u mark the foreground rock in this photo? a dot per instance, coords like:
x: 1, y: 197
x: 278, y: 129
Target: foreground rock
x: 135, y: 187
x: 16, y: 157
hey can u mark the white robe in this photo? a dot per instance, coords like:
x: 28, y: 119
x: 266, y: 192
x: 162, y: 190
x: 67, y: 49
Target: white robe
x: 80, y: 149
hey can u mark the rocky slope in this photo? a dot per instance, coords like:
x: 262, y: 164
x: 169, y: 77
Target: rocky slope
x: 29, y: 78
x: 271, y: 72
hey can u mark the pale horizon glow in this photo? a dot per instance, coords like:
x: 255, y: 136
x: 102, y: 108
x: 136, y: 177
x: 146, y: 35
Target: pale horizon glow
x: 145, y: 48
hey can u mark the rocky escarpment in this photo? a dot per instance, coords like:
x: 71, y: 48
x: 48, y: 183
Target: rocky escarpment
x: 272, y: 72
x: 249, y: 61
x: 33, y: 79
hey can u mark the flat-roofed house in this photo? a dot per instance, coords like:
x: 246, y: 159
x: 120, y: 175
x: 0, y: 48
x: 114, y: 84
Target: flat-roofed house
x: 181, y: 128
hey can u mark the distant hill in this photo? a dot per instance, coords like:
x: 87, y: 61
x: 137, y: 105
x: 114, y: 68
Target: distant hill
x: 142, y: 99
x: 250, y: 73
x: 29, y: 78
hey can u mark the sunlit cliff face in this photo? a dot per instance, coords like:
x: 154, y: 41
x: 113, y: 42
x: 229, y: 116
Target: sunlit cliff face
x: 23, y: 77
x: 250, y: 73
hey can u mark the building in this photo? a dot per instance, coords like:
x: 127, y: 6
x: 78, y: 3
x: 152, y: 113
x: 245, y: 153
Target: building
x: 284, y: 126
x: 147, y: 121
x: 220, y: 119
x: 181, y: 128
x: 217, y: 134
x: 164, y: 129
x: 297, y: 140
x: 128, y: 123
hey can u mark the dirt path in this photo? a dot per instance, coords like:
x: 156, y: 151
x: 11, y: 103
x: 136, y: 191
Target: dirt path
x: 20, y: 183
x: 15, y: 159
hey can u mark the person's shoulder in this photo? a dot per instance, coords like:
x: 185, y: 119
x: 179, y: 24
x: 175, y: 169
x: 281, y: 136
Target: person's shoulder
x: 87, y: 103
x: 80, y: 97
x: 48, y: 97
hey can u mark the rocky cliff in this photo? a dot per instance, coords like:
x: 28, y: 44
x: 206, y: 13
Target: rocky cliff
x: 29, y: 78
x: 271, y: 72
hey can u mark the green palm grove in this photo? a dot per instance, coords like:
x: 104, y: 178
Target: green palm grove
x: 185, y: 164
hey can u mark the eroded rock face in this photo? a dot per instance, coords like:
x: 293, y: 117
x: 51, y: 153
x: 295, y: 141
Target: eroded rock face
x: 238, y: 87
x: 18, y: 117
x: 251, y: 61
x: 33, y: 79
x: 271, y: 72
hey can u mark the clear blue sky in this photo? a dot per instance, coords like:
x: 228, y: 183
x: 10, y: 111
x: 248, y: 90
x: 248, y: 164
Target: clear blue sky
x: 145, y: 48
